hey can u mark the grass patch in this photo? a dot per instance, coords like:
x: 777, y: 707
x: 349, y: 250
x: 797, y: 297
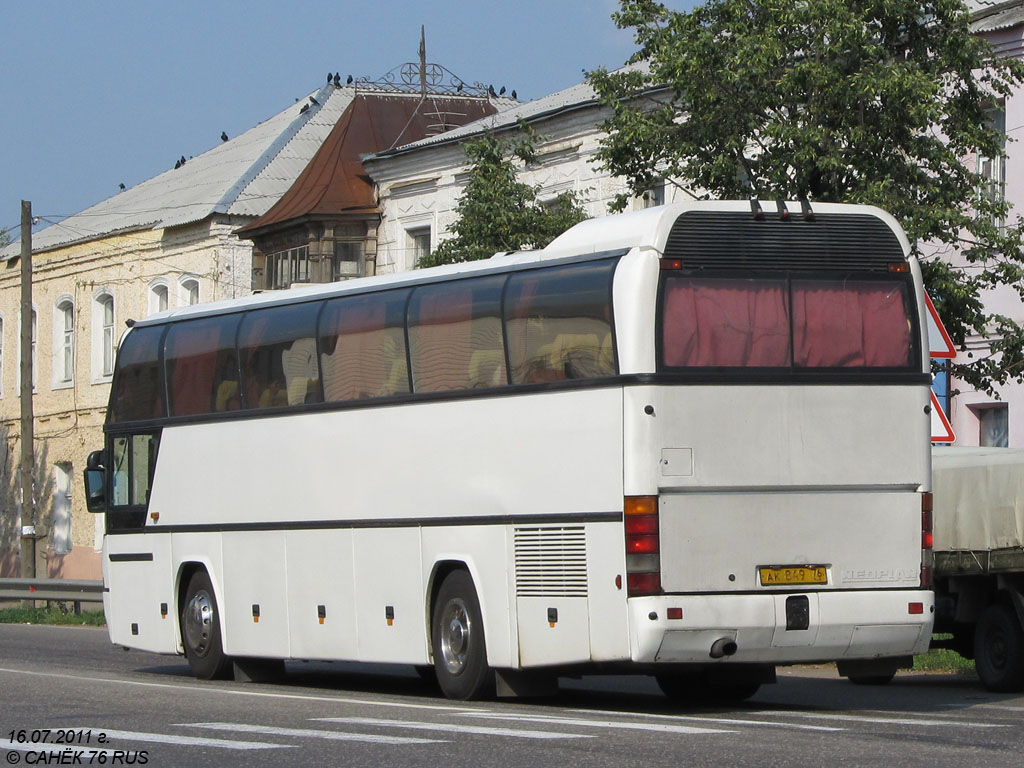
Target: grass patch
x: 58, y: 613
x: 943, y: 660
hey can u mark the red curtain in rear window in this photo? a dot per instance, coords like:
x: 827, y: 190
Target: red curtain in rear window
x: 724, y: 322
x: 850, y: 324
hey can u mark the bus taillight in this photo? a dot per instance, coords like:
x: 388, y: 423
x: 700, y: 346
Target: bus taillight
x: 927, y: 539
x: 643, y: 559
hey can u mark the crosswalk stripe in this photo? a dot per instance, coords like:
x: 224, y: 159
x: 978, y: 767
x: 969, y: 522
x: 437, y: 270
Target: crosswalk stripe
x: 315, y: 733
x: 882, y: 720
x: 645, y: 726
x: 453, y: 727
x: 616, y: 724
x: 188, y: 741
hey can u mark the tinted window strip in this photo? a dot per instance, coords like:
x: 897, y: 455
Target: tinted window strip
x: 396, y: 522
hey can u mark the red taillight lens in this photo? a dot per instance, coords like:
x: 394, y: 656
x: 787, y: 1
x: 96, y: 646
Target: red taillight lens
x: 927, y: 539
x: 915, y: 609
x: 639, y: 584
x: 642, y: 545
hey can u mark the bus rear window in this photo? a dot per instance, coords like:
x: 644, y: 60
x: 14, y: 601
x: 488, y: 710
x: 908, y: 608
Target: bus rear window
x: 828, y: 322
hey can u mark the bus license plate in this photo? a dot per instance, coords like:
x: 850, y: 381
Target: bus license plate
x: 793, y: 574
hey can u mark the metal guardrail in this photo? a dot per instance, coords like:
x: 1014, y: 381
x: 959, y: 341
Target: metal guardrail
x: 77, y: 591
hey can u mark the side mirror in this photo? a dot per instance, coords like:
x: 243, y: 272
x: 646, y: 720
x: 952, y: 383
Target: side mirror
x: 95, y: 483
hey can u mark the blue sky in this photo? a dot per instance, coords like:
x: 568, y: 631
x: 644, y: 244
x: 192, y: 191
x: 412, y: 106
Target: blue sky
x: 96, y: 94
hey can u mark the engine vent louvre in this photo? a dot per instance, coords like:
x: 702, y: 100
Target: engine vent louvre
x: 551, y: 562
x: 728, y: 240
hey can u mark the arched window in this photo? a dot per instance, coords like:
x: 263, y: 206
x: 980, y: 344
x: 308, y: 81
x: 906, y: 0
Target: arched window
x: 104, y: 336
x: 158, y: 293
x: 64, y: 342
x: 189, y: 291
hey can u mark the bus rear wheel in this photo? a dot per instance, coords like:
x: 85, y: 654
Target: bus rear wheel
x: 999, y: 649
x: 200, y: 630
x: 457, y: 635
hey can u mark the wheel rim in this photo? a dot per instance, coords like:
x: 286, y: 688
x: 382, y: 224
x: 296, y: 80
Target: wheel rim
x: 456, y: 635
x: 199, y: 622
x: 997, y: 647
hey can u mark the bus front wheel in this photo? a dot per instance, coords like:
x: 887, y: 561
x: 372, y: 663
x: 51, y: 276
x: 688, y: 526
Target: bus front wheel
x: 457, y: 634
x: 200, y: 630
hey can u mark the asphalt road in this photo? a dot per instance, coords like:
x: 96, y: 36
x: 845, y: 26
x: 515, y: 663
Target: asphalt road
x: 61, y: 684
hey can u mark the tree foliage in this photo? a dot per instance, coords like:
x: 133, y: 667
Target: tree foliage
x: 496, y: 212
x: 5, y: 236
x: 883, y: 102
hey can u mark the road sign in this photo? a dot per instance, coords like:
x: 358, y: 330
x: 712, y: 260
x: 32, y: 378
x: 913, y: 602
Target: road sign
x: 942, y: 430
x: 939, y: 343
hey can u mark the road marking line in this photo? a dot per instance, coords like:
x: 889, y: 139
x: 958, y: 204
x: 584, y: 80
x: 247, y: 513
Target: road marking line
x: 615, y: 724
x: 696, y: 719
x: 882, y: 720
x: 187, y: 741
x: 215, y: 688
x: 456, y: 727
x: 309, y: 733
x: 981, y: 705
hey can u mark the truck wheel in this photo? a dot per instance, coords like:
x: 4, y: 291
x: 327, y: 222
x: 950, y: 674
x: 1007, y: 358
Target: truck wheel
x: 200, y: 630
x: 457, y: 632
x: 999, y: 649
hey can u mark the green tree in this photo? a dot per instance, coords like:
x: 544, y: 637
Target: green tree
x: 884, y: 102
x: 5, y: 236
x: 496, y: 212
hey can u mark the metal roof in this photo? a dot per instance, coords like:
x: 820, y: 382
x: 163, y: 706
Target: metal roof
x: 244, y: 176
x: 990, y: 17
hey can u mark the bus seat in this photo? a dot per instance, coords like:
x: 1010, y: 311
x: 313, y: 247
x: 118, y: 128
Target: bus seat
x: 486, y: 368
x: 606, y: 356
x: 397, y: 382
x: 227, y: 397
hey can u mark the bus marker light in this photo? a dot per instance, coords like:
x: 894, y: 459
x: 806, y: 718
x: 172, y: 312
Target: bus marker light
x: 552, y: 617
x: 915, y: 608
x: 671, y: 263
x: 163, y: 610
x: 255, y: 613
x: 154, y: 516
x: 321, y: 613
x: 389, y: 614
x: 900, y: 267
x: 618, y: 581
x: 674, y: 613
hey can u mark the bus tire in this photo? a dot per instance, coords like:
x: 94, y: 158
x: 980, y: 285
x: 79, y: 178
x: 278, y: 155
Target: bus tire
x: 457, y: 635
x: 999, y: 649
x: 200, y: 630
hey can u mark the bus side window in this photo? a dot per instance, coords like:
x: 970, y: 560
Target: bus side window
x: 277, y: 351
x: 558, y: 322
x: 202, y: 366
x: 362, y: 346
x: 455, y: 335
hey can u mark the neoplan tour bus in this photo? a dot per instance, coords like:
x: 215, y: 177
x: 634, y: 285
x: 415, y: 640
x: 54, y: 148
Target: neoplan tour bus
x: 690, y: 441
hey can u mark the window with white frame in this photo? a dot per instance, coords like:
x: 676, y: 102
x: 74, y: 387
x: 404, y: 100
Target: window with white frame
x: 158, y: 293
x: 64, y: 342
x: 104, y: 336
x: 61, y: 521
x: 992, y: 170
x: 418, y: 243
x: 189, y: 291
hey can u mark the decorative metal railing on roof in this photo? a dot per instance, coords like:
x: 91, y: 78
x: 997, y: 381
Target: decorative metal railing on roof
x: 427, y: 78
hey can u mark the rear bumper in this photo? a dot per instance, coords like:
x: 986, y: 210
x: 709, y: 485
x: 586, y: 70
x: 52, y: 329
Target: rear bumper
x: 841, y: 625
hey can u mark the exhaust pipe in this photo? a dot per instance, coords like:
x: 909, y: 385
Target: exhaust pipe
x: 723, y: 646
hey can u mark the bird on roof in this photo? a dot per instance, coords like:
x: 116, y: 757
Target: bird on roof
x: 314, y: 101
x: 121, y: 186
x: 329, y: 77
x: 502, y: 91
x: 304, y: 108
x: 177, y: 165
x: 514, y: 94
x: 349, y: 81
x: 490, y: 90
x: 458, y: 88
x: 223, y: 136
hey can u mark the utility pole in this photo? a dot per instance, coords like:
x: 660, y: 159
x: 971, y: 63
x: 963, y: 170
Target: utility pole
x: 28, y: 511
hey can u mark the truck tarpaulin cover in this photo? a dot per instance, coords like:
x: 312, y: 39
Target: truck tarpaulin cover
x: 979, y: 498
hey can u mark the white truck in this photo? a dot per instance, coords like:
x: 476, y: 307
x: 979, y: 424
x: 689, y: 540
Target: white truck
x: 978, y: 522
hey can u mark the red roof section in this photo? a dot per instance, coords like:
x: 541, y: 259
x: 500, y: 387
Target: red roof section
x: 335, y: 181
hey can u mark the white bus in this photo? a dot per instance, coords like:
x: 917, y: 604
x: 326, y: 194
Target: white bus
x: 691, y: 441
